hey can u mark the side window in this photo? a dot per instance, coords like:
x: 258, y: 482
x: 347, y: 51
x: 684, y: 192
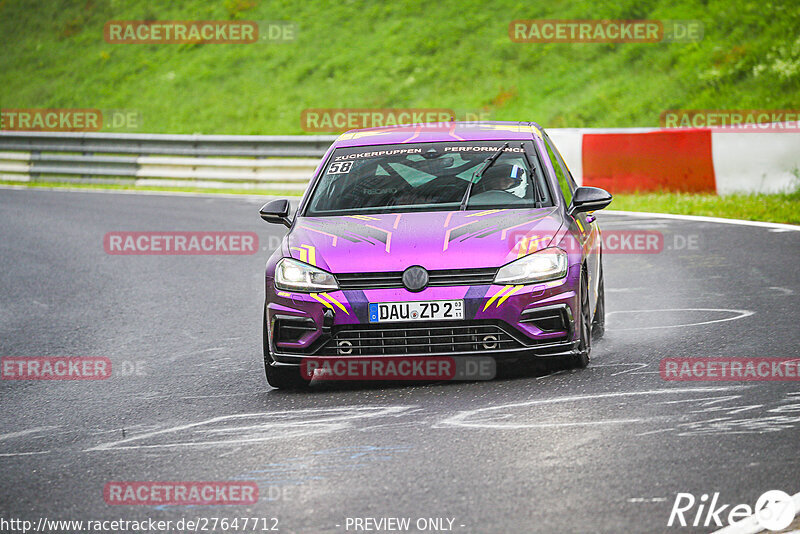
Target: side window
x: 565, y: 182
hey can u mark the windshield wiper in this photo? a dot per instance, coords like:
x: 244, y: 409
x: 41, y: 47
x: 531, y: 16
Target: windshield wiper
x: 538, y: 194
x: 488, y: 162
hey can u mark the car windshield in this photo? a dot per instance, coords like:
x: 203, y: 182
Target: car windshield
x: 426, y: 177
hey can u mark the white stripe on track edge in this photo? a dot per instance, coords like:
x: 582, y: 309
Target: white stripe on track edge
x: 702, y: 218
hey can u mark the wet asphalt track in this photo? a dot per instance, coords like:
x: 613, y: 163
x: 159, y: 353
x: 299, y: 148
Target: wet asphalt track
x: 600, y: 450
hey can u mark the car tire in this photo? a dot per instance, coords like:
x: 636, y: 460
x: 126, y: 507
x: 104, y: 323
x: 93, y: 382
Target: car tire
x: 280, y: 377
x: 581, y: 359
x: 599, y: 320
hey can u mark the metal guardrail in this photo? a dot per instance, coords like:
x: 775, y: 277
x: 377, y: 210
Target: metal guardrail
x: 263, y: 161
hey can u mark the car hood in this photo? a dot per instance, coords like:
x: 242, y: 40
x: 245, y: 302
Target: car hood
x: 434, y: 240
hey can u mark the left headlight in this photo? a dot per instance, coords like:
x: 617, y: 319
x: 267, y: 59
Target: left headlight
x: 542, y: 266
x: 295, y: 275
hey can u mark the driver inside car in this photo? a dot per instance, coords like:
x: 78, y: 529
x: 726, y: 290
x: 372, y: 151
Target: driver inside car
x: 502, y: 177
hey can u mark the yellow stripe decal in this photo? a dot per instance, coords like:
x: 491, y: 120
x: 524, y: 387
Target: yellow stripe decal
x: 303, y: 253
x: 339, y: 304
x: 523, y: 247
x: 482, y: 213
x: 499, y: 293
x: 312, y: 254
x: 503, y: 299
x: 534, y: 244
x: 579, y: 224
x: 325, y: 302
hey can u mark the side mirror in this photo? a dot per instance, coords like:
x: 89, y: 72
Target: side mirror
x: 276, y: 211
x: 588, y: 199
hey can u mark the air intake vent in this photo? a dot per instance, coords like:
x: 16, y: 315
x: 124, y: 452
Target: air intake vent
x: 291, y: 329
x: 549, y: 319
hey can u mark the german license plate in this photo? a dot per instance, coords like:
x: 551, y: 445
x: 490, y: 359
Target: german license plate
x: 433, y: 310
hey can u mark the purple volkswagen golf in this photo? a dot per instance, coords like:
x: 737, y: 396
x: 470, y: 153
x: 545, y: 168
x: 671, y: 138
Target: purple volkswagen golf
x: 422, y: 242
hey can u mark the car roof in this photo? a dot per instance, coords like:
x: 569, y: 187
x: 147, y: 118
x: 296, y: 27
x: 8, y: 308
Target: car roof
x: 438, y: 132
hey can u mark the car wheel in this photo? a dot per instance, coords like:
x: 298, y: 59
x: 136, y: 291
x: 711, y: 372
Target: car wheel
x: 581, y: 360
x: 280, y: 377
x: 599, y: 321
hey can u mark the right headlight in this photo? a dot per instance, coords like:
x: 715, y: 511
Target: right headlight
x: 542, y: 266
x: 293, y: 275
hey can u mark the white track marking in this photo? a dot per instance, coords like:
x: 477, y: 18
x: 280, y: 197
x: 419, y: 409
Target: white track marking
x: 7, y: 454
x: 700, y: 218
x: 709, y: 400
x: 564, y: 372
x: 274, y: 425
x: 460, y: 419
x: 783, y: 290
x: 624, y: 289
x: 12, y: 435
x: 634, y: 368
x: 640, y: 224
x: 654, y: 432
x: 742, y: 315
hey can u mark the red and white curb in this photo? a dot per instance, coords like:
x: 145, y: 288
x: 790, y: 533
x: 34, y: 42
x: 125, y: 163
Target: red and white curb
x: 686, y: 160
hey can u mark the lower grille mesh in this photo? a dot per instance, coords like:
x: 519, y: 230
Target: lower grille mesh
x: 430, y: 338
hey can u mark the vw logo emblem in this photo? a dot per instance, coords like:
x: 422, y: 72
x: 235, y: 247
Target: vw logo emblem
x: 415, y: 278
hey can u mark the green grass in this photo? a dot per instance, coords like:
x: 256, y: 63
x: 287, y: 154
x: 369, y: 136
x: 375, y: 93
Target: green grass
x: 781, y: 208
x: 411, y: 53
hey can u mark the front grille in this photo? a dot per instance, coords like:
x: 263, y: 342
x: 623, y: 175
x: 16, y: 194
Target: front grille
x: 394, y: 280
x: 430, y: 338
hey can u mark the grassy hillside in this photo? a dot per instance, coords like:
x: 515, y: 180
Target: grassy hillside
x: 454, y: 55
